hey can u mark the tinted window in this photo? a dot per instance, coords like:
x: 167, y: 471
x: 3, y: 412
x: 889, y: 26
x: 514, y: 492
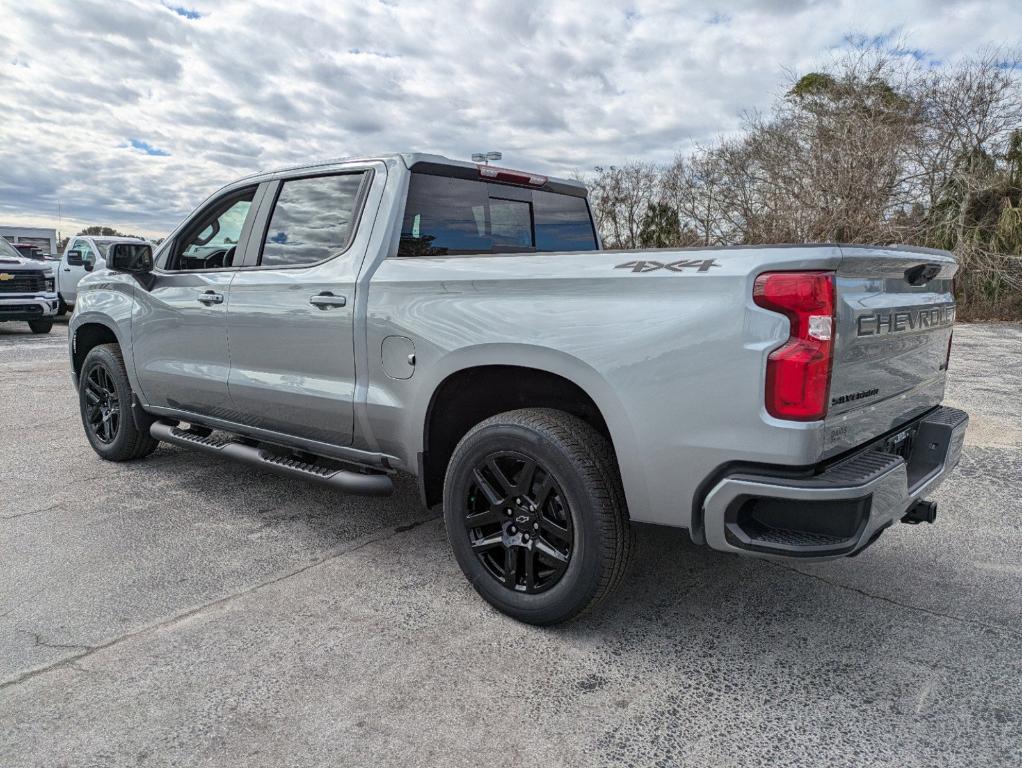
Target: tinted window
x: 562, y: 223
x: 84, y: 249
x: 444, y: 216
x: 312, y: 220
x: 211, y: 241
x: 104, y: 246
x: 448, y: 216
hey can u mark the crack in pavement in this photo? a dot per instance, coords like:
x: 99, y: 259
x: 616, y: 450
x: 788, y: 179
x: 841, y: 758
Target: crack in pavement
x: 33, y: 512
x: 38, y: 638
x: 892, y: 601
x: 88, y: 650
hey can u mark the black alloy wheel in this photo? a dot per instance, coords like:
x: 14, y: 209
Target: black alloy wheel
x: 102, y: 405
x: 518, y: 522
x: 116, y: 430
x: 536, y: 514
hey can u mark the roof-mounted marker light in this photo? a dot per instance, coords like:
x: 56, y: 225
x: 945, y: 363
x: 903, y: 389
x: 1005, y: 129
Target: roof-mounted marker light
x: 513, y: 177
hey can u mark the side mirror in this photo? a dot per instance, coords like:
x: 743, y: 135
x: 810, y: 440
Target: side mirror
x: 89, y: 261
x: 74, y: 258
x: 130, y: 257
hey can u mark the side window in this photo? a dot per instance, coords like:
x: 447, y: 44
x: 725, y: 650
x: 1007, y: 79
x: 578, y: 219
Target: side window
x: 211, y: 241
x: 84, y: 248
x: 312, y: 220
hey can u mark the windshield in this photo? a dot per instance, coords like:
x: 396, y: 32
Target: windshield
x: 104, y: 246
x: 7, y: 250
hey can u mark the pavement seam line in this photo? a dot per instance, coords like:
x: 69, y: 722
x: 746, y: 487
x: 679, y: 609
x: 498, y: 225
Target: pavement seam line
x: 191, y: 612
x: 892, y: 601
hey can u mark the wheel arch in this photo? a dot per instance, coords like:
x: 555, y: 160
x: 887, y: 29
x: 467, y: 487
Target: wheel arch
x: 88, y: 333
x: 475, y: 383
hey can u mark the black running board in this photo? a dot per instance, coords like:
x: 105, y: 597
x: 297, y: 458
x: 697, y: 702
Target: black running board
x: 358, y: 483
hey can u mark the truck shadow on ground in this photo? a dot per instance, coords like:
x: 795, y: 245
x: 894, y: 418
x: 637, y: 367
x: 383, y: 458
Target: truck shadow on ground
x: 671, y: 582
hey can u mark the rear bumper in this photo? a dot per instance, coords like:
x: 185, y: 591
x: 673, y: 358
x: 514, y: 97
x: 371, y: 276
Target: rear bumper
x: 28, y: 306
x: 843, y: 508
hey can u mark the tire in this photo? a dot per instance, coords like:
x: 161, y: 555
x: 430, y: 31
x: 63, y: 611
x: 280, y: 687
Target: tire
x: 40, y: 326
x: 564, y: 502
x: 104, y: 399
x: 61, y: 306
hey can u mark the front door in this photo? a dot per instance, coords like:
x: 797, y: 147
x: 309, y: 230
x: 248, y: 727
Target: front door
x: 72, y: 268
x: 289, y: 320
x: 180, y: 323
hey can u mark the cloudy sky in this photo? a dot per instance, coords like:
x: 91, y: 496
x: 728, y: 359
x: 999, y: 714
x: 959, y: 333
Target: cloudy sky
x: 130, y: 112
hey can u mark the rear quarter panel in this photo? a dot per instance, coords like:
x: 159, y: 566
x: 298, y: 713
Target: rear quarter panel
x: 673, y: 357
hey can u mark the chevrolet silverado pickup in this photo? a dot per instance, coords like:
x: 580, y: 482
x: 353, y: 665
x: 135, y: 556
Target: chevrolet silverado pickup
x: 347, y: 321
x: 27, y: 291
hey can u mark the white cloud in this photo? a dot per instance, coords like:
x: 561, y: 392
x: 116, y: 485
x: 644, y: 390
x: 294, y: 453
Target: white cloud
x: 130, y: 112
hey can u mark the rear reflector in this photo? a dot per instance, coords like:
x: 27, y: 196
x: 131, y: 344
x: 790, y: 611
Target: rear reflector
x: 512, y: 177
x: 798, y: 373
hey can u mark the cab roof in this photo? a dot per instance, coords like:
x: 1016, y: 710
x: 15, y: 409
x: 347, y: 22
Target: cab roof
x: 422, y: 159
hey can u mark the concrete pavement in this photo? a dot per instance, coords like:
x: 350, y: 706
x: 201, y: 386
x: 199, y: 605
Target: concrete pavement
x: 187, y: 611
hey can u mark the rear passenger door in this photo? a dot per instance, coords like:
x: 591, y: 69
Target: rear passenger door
x: 290, y: 314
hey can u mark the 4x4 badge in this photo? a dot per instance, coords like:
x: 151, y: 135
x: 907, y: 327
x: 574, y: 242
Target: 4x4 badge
x: 701, y: 265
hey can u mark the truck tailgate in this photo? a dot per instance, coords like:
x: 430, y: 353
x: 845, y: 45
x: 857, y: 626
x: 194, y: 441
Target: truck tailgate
x: 895, y: 309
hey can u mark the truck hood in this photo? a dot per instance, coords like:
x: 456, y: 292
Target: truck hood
x: 20, y: 264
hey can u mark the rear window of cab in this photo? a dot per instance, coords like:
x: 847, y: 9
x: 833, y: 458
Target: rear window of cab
x: 447, y: 216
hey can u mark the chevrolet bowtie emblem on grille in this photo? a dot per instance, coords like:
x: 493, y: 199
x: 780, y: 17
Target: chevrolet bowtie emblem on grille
x: 5, y: 276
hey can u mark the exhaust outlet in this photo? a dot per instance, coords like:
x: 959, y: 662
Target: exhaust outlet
x: 921, y: 512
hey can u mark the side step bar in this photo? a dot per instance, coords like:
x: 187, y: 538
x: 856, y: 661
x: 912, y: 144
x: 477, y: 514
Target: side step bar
x: 358, y: 483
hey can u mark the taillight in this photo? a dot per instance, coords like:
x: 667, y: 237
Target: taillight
x: 947, y: 355
x: 798, y: 373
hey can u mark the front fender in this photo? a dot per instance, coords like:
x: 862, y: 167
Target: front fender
x: 109, y: 303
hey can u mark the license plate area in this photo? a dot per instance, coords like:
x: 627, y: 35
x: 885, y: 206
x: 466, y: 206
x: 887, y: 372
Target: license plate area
x: 900, y: 444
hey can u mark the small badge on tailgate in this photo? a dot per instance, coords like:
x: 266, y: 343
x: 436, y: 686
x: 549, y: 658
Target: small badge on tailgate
x: 841, y: 399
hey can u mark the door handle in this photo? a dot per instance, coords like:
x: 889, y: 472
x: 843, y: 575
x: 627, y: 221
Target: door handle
x: 67, y: 269
x: 325, y: 300
x: 210, y: 297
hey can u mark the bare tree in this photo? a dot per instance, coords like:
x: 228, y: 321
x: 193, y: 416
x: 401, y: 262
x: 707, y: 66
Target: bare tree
x: 874, y: 149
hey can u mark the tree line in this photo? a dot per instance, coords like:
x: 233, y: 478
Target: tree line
x: 869, y: 150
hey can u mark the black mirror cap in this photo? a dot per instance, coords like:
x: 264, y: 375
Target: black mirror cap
x: 130, y: 257
x: 74, y: 258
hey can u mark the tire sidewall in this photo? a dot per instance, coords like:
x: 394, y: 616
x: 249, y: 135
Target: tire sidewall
x: 123, y: 441
x: 581, y: 578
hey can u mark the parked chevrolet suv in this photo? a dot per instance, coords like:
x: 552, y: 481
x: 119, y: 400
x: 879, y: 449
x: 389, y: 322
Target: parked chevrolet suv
x: 345, y: 321
x: 26, y: 289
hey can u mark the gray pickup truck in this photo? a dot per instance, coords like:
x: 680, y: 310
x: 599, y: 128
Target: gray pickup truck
x: 346, y: 321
